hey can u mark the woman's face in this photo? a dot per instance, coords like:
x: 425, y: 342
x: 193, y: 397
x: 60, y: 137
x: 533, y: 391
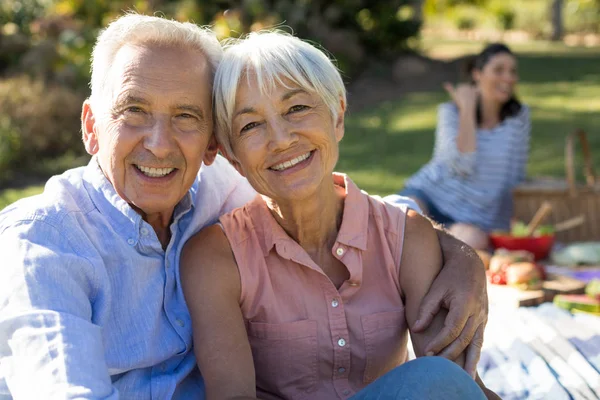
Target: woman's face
x: 285, y: 141
x: 497, y: 79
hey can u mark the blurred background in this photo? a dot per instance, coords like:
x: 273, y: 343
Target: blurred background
x: 395, y: 55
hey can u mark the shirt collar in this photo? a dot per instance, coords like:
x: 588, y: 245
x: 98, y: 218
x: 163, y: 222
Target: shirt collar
x: 124, y: 219
x: 353, y: 231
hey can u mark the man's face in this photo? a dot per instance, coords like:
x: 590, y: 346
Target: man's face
x: 153, y: 127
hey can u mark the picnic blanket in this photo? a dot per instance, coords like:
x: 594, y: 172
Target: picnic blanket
x: 541, y: 353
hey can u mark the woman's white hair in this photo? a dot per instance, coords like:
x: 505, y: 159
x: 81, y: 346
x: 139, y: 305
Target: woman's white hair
x: 143, y: 29
x: 272, y: 57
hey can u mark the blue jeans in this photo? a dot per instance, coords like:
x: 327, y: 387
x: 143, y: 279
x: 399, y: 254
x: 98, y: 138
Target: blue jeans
x: 426, y: 378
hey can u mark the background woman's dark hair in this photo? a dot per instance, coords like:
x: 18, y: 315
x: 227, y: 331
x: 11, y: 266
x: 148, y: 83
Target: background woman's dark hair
x: 512, y: 106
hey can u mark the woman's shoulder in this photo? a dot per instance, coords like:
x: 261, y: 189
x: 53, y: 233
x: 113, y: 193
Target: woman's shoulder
x: 521, y: 117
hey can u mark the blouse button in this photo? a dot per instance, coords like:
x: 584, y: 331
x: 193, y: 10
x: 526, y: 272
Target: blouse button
x: 339, y: 251
x: 341, y: 342
x: 334, y: 303
x: 341, y: 370
x: 130, y: 242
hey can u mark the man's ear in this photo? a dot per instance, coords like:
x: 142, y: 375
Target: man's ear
x: 339, y: 121
x: 88, y: 128
x: 211, y: 151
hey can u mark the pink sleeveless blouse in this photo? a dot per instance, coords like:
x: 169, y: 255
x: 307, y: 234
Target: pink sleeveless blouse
x: 310, y: 340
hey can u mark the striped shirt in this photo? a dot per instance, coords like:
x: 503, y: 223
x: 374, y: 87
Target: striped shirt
x: 476, y: 187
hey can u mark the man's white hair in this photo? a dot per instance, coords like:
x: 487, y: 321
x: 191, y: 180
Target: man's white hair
x: 272, y: 57
x: 138, y: 29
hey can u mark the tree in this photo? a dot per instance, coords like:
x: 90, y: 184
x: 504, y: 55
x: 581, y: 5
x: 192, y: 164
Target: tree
x: 557, y: 20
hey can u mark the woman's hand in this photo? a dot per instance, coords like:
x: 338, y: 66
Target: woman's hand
x: 464, y: 95
x: 460, y: 288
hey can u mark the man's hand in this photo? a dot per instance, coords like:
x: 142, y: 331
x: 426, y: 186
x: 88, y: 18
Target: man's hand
x: 460, y: 287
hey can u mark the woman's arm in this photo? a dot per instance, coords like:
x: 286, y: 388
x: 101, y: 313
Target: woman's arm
x: 420, y: 264
x: 211, y: 285
x: 456, y: 133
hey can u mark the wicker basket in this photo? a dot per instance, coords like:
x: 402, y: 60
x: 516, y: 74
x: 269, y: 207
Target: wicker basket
x: 568, y: 198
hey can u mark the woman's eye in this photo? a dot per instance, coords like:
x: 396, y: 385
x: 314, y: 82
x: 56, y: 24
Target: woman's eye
x: 249, y: 126
x: 186, y: 115
x: 297, y: 108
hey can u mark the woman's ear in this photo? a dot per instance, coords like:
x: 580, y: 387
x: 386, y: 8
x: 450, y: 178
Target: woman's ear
x: 232, y: 160
x: 339, y: 121
x: 88, y: 128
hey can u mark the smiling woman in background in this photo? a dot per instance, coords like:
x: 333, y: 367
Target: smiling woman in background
x: 310, y: 290
x: 480, y: 153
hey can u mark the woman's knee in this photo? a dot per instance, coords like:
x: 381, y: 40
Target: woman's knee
x: 471, y: 235
x: 436, y: 378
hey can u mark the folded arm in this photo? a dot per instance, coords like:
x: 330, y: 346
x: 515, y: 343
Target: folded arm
x: 49, y: 346
x: 211, y: 285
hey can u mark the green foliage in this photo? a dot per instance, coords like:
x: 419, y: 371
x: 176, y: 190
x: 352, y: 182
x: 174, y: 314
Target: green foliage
x: 38, y: 122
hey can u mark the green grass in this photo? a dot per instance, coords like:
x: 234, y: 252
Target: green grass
x: 8, y: 196
x: 384, y: 145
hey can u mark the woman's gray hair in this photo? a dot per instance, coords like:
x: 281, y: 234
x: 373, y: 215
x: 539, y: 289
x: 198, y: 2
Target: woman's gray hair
x: 272, y: 57
x: 143, y: 29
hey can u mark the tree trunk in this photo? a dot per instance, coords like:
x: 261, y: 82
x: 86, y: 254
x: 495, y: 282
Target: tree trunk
x: 418, y: 6
x: 557, y: 20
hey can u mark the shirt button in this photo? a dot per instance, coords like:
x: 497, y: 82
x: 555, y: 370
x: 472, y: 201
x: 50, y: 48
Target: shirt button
x: 180, y: 322
x: 341, y: 370
x: 341, y: 342
x: 144, y: 231
x: 131, y: 242
x: 339, y: 251
x: 346, y: 392
x: 335, y: 303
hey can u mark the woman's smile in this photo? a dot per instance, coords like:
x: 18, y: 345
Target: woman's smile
x: 294, y: 164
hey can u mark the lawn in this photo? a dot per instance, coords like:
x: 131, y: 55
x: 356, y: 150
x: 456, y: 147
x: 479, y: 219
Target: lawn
x: 385, y: 144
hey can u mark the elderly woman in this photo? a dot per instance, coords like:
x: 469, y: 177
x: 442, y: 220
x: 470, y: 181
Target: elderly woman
x: 310, y: 290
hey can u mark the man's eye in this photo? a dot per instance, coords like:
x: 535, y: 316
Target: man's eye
x: 186, y: 115
x: 249, y: 126
x: 297, y: 108
x: 134, y: 109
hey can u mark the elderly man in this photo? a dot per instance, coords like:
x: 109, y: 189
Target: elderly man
x: 90, y: 303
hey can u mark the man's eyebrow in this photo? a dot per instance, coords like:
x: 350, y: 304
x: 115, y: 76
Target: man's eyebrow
x: 292, y: 93
x: 191, y: 108
x: 130, y: 99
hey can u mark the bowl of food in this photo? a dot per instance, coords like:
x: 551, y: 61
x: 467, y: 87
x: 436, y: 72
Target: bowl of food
x: 539, y: 244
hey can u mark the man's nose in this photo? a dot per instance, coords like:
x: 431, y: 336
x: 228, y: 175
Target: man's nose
x: 159, y: 139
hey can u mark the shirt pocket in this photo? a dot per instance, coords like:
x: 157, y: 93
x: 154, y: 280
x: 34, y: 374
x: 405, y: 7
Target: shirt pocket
x: 385, y: 336
x: 285, y: 357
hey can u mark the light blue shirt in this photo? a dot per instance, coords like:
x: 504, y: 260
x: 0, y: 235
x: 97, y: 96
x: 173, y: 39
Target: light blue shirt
x: 90, y: 304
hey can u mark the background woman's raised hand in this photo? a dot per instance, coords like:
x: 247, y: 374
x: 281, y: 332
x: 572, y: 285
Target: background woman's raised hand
x: 464, y: 95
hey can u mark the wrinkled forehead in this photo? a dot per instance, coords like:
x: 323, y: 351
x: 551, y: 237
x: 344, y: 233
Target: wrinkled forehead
x: 267, y: 82
x: 158, y: 69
